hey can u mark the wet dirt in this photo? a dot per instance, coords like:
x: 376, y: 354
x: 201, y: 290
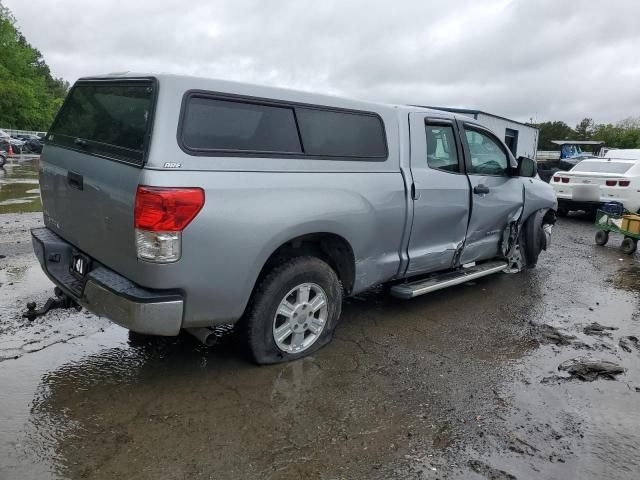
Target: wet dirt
x: 449, y: 385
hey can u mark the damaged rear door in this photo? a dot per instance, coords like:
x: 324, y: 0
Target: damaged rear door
x: 440, y: 194
x: 497, y: 195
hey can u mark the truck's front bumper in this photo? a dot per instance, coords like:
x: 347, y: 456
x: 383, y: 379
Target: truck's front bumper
x: 106, y: 293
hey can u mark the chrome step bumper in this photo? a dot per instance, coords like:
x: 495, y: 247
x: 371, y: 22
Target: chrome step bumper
x: 106, y: 293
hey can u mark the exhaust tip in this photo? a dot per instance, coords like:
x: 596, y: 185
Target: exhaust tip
x: 210, y: 336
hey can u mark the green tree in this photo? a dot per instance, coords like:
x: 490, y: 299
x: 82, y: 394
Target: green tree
x: 553, y: 131
x: 624, y: 134
x: 585, y: 129
x: 29, y: 95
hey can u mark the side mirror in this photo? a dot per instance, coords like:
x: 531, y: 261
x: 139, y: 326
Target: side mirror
x: 527, y: 167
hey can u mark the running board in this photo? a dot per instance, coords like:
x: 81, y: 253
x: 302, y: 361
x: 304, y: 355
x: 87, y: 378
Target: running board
x: 448, y: 279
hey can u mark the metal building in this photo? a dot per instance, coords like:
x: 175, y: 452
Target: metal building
x: 522, y: 139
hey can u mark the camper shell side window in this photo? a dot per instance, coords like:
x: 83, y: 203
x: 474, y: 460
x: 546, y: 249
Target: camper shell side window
x: 214, y: 124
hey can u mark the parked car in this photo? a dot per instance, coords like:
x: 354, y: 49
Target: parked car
x: 16, y: 143
x: 32, y: 143
x: 594, y: 182
x: 265, y: 206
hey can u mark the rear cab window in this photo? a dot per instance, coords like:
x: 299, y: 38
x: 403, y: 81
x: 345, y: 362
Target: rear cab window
x: 211, y: 125
x: 110, y: 119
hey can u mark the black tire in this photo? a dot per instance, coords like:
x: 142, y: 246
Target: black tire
x: 562, y: 212
x: 602, y: 237
x: 3, y: 160
x: 532, y: 239
x: 256, y: 326
x: 629, y: 245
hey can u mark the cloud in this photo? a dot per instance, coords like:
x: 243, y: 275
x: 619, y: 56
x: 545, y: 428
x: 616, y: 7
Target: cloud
x: 522, y: 59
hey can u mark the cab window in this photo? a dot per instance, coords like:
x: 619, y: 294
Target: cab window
x: 442, y: 153
x: 487, y: 155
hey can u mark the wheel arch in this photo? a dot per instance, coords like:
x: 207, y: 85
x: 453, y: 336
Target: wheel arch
x: 330, y: 247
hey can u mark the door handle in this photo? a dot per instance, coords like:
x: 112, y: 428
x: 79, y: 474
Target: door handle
x: 481, y: 189
x: 75, y: 180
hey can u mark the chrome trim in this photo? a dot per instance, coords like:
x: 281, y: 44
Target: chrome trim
x: 159, y: 318
x: 448, y: 279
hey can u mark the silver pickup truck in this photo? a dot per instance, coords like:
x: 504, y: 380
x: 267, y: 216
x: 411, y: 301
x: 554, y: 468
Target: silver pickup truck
x: 174, y: 202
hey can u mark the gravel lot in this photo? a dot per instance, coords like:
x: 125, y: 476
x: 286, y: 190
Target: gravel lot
x: 462, y: 383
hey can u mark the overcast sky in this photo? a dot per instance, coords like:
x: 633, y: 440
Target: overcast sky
x: 542, y: 59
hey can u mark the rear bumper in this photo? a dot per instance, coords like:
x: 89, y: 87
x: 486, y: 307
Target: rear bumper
x: 106, y: 293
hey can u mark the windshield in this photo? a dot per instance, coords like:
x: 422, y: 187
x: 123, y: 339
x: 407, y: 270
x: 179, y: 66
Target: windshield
x: 602, y: 167
x: 108, y: 119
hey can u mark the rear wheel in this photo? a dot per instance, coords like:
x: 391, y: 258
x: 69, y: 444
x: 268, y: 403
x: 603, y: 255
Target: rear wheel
x: 602, y: 237
x: 293, y: 311
x: 629, y: 245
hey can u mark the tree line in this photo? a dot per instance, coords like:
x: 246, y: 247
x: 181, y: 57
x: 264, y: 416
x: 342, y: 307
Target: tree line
x: 623, y: 134
x: 29, y: 95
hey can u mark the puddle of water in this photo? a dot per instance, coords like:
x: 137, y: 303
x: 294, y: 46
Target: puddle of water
x: 24, y: 279
x: 29, y: 453
x: 19, y: 190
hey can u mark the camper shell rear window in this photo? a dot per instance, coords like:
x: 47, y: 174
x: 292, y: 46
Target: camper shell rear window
x: 221, y: 125
x: 107, y: 118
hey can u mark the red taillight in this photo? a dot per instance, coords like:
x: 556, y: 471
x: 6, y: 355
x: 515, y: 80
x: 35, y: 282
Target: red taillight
x: 624, y: 183
x: 556, y: 179
x: 612, y: 183
x: 565, y: 179
x: 161, y: 209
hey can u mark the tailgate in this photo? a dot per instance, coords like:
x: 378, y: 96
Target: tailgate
x: 92, y: 163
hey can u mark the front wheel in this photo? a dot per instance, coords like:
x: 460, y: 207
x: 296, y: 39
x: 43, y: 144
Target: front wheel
x: 629, y: 245
x: 293, y: 311
x: 602, y: 237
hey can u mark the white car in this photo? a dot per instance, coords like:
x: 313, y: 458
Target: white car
x: 595, y: 181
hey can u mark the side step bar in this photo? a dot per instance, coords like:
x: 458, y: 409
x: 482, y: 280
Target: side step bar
x: 448, y: 279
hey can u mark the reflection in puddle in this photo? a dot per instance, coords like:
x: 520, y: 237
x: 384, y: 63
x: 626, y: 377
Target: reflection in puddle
x: 19, y: 190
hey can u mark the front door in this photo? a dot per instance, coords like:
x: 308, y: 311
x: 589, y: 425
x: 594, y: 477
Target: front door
x: 440, y: 194
x: 497, y: 196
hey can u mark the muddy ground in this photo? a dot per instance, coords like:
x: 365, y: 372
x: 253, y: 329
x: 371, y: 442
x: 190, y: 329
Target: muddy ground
x: 462, y: 383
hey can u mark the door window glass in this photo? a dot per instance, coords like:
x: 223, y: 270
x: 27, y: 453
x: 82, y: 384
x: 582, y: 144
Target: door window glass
x: 487, y: 156
x: 441, y: 148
